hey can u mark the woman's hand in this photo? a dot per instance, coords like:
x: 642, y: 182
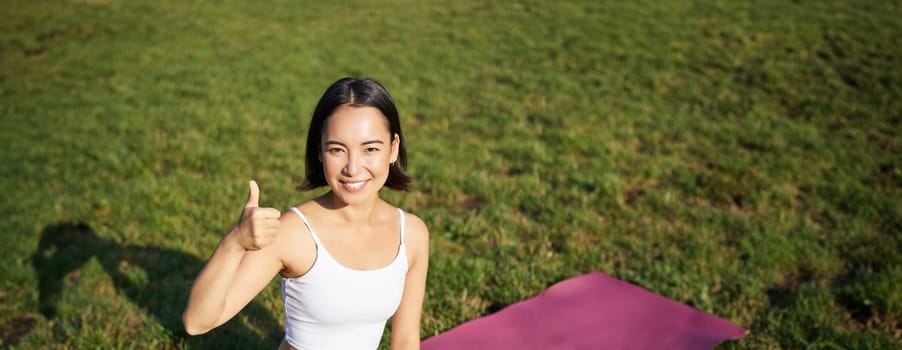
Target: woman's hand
x: 257, y: 226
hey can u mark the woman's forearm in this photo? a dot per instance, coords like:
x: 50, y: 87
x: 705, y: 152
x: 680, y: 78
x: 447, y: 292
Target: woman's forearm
x: 210, y: 291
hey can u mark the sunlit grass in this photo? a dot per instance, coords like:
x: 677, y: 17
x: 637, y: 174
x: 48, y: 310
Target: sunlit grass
x: 742, y: 158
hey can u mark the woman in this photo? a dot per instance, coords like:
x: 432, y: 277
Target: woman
x: 348, y: 259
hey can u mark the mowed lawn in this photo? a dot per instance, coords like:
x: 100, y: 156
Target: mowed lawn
x: 740, y: 157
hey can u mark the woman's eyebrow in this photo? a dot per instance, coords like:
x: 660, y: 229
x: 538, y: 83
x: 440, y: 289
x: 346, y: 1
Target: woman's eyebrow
x: 333, y: 142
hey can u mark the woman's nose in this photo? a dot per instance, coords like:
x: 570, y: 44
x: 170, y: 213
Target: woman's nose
x: 351, y: 165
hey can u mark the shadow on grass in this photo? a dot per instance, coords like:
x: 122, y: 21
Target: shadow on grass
x: 156, y: 279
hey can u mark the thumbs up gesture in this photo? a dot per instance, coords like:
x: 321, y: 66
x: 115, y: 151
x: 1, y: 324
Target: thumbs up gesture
x: 258, y: 226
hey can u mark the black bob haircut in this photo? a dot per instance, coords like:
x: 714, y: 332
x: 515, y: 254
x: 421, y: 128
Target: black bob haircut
x: 354, y: 92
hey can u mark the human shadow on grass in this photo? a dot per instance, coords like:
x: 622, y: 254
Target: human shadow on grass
x: 156, y: 279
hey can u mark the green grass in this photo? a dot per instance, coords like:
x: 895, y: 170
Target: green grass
x: 742, y: 158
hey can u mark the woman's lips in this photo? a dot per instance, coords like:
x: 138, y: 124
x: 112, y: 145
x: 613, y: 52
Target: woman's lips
x: 354, y: 186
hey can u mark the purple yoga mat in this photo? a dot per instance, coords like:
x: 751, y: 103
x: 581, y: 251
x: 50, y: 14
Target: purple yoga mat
x: 592, y: 311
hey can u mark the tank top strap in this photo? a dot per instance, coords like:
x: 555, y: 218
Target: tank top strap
x: 310, y: 228
x: 403, y: 217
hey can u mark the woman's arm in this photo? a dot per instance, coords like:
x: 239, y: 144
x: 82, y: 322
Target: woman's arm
x: 405, y: 325
x: 239, y: 269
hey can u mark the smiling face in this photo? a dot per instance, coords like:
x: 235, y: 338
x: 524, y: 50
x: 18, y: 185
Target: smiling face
x: 356, y: 151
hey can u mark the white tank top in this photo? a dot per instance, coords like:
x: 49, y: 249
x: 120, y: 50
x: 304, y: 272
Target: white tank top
x: 335, y: 307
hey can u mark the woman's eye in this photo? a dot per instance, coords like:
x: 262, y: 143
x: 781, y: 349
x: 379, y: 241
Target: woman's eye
x: 335, y: 150
x: 372, y: 149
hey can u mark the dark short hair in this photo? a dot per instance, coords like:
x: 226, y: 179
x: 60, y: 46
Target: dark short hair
x: 354, y: 92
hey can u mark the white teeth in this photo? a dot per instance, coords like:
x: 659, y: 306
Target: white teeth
x: 354, y: 185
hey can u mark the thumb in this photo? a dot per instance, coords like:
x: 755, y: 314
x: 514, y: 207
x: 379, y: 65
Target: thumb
x: 253, y: 198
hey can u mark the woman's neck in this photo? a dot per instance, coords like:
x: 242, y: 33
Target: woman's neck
x: 360, y: 213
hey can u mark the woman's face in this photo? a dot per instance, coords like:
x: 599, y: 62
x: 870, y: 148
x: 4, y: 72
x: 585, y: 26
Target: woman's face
x: 357, y: 150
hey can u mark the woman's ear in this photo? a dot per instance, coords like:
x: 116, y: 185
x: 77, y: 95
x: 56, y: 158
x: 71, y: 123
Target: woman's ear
x: 395, y: 145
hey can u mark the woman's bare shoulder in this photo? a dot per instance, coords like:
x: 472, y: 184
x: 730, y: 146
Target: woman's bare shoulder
x: 289, y: 221
x: 416, y: 231
x: 297, y: 249
x: 308, y: 205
